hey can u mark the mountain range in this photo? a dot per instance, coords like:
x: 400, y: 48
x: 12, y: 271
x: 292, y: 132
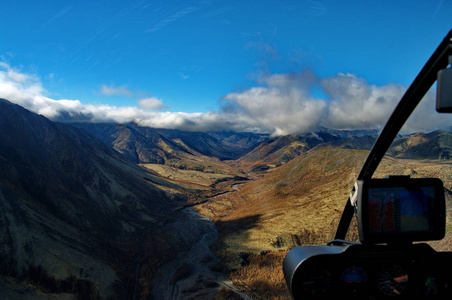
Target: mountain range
x: 144, y: 145
x: 160, y: 146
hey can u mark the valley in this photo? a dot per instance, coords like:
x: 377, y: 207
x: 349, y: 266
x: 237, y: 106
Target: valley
x: 118, y: 211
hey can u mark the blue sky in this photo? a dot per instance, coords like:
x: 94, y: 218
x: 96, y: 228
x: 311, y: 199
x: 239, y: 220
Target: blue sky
x: 200, y: 61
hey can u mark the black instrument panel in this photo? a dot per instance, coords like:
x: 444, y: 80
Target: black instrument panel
x: 370, y: 272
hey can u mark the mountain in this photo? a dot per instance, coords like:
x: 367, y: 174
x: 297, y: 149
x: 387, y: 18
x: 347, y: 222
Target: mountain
x: 280, y: 150
x: 225, y: 145
x: 142, y: 145
x: 73, y: 211
x: 145, y: 145
x: 345, y: 134
x: 148, y: 148
x: 364, y: 142
x: 432, y: 145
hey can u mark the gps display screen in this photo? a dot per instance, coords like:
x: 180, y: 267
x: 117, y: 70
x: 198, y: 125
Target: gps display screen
x: 398, y: 209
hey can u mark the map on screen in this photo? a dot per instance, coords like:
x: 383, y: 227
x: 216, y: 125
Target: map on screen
x: 399, y: 210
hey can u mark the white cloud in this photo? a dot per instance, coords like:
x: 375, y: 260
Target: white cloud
x: 277, y: 110
x: 425, y: 116
x: 357, y: 104
x: 283, y: 104
x: 21, y: 87
x: 116, y: 91
x: 151, y: 103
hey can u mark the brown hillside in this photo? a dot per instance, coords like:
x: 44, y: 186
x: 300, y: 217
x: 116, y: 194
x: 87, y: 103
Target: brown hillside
x: 291, y: 199
x: 301, y: 201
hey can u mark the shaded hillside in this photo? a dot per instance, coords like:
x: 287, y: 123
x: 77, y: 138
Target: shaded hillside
x: 72, y: 210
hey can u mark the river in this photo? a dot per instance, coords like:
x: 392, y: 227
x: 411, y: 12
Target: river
x: 192, y: 274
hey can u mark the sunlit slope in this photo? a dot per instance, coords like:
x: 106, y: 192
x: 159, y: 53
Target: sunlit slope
x: 306, y: 194
x: 280, y: 150
x: 192, y: 179
x: 299, y: 202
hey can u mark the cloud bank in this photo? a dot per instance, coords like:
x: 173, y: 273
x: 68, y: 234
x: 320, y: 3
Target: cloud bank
x: 281, y: 104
